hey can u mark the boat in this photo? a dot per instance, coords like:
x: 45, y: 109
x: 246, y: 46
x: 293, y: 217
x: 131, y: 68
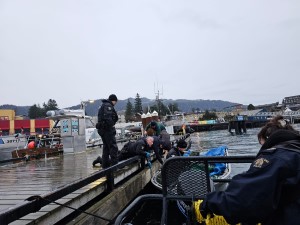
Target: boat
x: 38, y: 146
x: 216, y: 171
x: 183, y: 181
x: 131, y: 131
x: 92, y: 138
x: 9, y: 143
x: 12, y: 141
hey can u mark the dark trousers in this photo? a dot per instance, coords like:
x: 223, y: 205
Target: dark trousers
x: 109, y: 154
x: 110, y: 149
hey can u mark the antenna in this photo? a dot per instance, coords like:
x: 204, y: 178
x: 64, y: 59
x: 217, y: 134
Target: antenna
x: 157, y: 98
x: 156, y: 91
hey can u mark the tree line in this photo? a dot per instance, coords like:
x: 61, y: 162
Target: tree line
x: 135, y: 110
x: 36, y: 111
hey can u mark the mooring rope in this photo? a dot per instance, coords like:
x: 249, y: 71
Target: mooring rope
x: 211, y: 219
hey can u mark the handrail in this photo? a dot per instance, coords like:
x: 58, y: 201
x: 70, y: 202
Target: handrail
x: 9, y: 215
x: 165, y: 197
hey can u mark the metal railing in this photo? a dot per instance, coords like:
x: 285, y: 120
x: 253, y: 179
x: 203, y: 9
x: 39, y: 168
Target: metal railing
x: 172, y: 183
x: 32, y: 205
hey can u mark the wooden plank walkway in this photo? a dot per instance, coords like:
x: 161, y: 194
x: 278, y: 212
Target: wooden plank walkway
x: 22, y: 180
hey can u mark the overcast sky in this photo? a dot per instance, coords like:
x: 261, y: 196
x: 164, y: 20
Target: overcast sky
x: 243, y: 51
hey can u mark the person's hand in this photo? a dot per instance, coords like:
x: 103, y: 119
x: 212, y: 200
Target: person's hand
x: 187, y: 153
x: 203, y: 214
x: 148, y: 155
x: 149, y: 164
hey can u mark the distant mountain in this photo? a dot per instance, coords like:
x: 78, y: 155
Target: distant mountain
x: 20, y: 110
x: 183, y: 104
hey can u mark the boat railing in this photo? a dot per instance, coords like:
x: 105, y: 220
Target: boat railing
x: 22, y: 141
x: 169, y: 176
x: 45, y: 140
x: 183, y: 178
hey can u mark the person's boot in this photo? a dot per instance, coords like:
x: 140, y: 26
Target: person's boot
x: 98, y: 160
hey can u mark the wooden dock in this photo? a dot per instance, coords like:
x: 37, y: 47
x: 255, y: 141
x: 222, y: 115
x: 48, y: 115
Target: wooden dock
x: 19, y: 181
x: 43, y: 177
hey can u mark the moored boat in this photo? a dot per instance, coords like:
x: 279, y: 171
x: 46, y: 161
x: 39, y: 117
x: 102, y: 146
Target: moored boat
x: 38, y: 146
x: 12, y: 141
x: 9, y: 143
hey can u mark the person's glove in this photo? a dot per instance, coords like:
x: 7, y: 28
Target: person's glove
x: 149, y: 164
x: 207, y: 216
x: 187, y: 153
x: 198, y: 215
x: 148, y: 155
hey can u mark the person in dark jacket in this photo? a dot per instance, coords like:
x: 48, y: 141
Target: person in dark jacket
x: 269, y: 192
x: 177, y: 150
x: 142, y: 147
x: 155, y: 127
x: 107, y: 118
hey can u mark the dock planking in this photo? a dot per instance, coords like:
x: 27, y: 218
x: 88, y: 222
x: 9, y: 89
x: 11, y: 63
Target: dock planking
x: 21, y: 180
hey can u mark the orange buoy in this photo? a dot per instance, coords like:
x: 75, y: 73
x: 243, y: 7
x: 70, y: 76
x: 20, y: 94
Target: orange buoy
x: 30, y: 145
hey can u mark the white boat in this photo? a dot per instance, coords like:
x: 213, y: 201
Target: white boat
x: 9, y: 143
x: 12, y: 141
x: 92, y: 138
x: 131, y: 130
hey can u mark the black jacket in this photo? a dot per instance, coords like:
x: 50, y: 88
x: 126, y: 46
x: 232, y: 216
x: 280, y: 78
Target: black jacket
x: 174, y: 152
x: 269, y: 192
x: 140, y: 147
x: 107, y: 116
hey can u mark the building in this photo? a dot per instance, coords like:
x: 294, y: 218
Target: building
x: 291, y: 100
x: 12, y: 124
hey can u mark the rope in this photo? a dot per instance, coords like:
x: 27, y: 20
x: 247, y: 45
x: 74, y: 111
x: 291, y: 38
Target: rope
x: 211, y: 219
x: 37, y: 197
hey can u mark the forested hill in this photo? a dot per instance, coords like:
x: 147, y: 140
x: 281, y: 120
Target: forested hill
x: 184, y: 105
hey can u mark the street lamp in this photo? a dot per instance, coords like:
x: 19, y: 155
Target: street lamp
x: 83, y: 104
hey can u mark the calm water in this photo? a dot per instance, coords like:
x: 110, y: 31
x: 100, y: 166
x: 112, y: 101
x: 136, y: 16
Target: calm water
x: 246, y: 144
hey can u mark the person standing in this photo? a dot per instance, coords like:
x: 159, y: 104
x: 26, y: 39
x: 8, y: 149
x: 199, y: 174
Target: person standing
x: 107, y: 118
x: 269, y: 192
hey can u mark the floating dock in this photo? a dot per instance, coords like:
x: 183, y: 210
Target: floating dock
x: 41, y: 177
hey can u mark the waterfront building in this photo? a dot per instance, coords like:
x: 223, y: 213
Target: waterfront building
x: 12, y: 124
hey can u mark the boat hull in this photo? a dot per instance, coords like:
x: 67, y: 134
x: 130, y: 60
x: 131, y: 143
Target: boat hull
x: 36, y: 153
x: 12, y: 141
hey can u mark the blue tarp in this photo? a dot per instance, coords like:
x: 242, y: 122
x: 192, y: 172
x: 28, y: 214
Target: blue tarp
x: 218, y: 168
